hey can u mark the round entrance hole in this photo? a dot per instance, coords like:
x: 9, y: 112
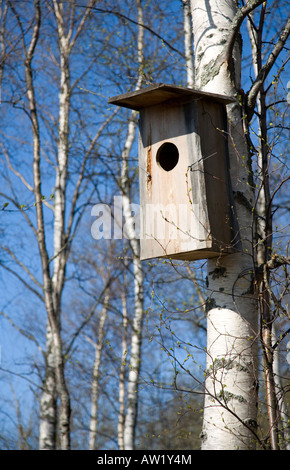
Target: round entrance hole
x: 167, y: 156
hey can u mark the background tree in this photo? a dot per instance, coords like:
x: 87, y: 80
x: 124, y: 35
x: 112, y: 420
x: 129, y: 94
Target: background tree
x: 53, y: 161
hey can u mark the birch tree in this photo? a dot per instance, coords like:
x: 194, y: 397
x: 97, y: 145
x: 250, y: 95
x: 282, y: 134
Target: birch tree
x: 122, y: 375
x: 131, y: 233
x: 65, y: 213
x: 188, y: 43
x: 55, y: 380
x: 96, y: 373
x: 67, y: 37
x: 231, y: 385
x: 265, y: 230
x: 265, y: 251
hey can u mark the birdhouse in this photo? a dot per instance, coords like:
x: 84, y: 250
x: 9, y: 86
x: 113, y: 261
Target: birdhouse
x: 185, y: 192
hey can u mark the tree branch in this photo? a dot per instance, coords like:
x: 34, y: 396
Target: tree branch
x: 81, y: 175
x: 82, y: 22
x: 121, y: 15
x: 22, y: 209
x: 20, y: 176
x: 32, y: 277
x: 251, y: 95
x: 26, y: 284
x: 236, y: 23
x: 27, y: 334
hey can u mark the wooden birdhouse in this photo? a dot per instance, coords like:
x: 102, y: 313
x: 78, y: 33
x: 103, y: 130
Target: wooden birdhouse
x: 185, y: 191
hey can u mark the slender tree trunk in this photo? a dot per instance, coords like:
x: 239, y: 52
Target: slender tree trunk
x: 122, y: 377
x: 230, y: 408
x: 68, y: 29
x: 136, y: 338
x: 135, y: 358
x: 96, y: 376
x: 54, y: 342
x: 48, y: 400
x: 69, y: 26
x: 264, y: 229
x: 60, y: 252
x: 188, y: 42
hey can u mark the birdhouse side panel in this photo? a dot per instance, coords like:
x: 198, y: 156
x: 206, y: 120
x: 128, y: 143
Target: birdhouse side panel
x: 196, y: 182
x: 213, y: 138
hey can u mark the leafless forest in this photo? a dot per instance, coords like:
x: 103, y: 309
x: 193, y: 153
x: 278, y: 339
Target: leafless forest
x: 100, y: 350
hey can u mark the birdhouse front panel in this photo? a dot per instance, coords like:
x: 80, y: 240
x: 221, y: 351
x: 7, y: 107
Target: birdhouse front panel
x: 185, y: 191
x: 168, y: 147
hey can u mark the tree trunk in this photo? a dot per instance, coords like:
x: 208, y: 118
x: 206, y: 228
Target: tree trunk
x: 264, y: 247
x: 96, y: 376
x: 121, y: 415
x: 48, y: 400
x: 60, y: 252
x: 188, y: 46
x: 59, y: 259
x: 136, y: 338
x: 132, y: 235
x: 230, y: 408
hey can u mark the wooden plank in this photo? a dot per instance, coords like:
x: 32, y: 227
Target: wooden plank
x: 212, y: 122
x: 161, y: 93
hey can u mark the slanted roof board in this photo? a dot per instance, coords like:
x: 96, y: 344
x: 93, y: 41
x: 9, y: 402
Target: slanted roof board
x: 160, y: 93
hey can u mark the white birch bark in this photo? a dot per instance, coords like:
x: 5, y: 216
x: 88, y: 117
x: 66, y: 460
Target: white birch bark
x: 132, y: 235
x: 59, y: 232
x: 261, y: 200
x: 69, y: 27
x: 66, y: 41
x: 54, y: 344
x: 122, y: 376
x: 188, y: 43
x: 96, y: 375
x: 135, y: 357
x: 48, y: 400
x: 230, y: 408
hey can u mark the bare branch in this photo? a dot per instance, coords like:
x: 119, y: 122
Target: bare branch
x: 20, y: 176
x: 27, y: 334
x: 26, y: 284
x: 35, y: 34
x: 81, y: 175
x: 32, y: 277
x: 236, y: 23
x: 121, y: 15
x: 265, y: 69
x: 89, y: 315
x: 22, y: 209
x: 91, y: 3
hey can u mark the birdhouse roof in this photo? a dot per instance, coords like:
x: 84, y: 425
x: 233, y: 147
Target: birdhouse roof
x: 161, y: 93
